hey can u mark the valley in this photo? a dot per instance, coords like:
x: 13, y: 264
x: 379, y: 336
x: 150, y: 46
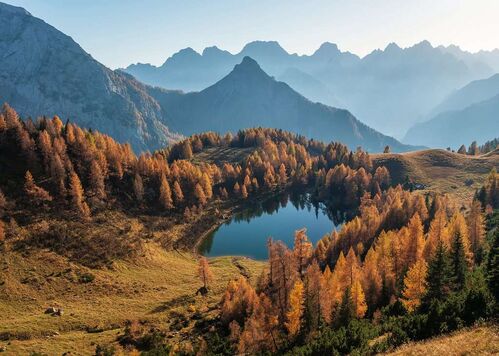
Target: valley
x: 254, y: 201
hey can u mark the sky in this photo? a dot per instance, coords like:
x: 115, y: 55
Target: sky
x: 120, y: 32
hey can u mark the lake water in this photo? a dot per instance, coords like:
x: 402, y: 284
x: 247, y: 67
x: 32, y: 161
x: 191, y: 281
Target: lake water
x: 247, y: 232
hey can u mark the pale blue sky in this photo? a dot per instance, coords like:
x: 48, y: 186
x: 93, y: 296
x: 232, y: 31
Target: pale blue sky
x: 120, y: 32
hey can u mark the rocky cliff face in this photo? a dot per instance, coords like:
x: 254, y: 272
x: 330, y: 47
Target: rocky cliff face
x: 45, y: 72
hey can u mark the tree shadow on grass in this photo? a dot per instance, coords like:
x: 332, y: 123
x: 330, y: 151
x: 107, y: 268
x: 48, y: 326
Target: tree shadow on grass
x: 173, y: 303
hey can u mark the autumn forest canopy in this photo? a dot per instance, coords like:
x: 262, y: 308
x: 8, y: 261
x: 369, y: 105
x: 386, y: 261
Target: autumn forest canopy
x: 406, y: 265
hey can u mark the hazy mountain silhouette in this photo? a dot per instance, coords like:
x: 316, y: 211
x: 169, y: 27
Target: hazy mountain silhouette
x: 44, y: 72
x: 388, y: 89
x: 470, y: 113
x: 477, y: 122
x: 248, y: 97
x: 474, y: 92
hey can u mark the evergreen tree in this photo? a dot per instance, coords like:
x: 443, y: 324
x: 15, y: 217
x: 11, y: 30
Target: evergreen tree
x: 346, y: 311
x: 493, y: 266
x: 439, y: 275
x: 458, y: 262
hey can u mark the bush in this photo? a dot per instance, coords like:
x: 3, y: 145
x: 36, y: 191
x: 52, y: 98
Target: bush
x: 86, y: 278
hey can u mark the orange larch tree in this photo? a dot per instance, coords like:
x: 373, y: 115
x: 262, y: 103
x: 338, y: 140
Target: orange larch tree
x: 302, y: 250
x: 165, y: 194
x: 77, y: 196
x: 415, y: 285
x: 204, y: 272
x: 415, y: 243
x: 296, y: 308
x: 358, y: 299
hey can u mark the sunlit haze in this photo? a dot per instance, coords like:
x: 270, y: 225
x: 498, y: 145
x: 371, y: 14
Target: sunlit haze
x: 120, y: 32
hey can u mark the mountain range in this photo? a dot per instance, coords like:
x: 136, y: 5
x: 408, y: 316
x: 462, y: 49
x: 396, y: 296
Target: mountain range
x: 248, y: 97
x: 390, y: 89
x: 45, y: 72
x: 468, y: 114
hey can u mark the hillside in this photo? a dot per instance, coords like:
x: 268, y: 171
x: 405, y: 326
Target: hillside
x: 248, y: 97
x: 45, y: 72
x: 440, y: 170
x: 480, y: 340
x: 157, y: 287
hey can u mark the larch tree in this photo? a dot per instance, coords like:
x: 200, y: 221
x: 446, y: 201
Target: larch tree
x: 199, y: 194
x: 438, y: 232
x: 415, y: 245
x: 358, y: 299
x: 58, y: 174
x: 3, y: 124
x: 259, y: 334
x: 313, y: 295
x: 302, y: 250
x: 462, y: 150
x: 34, y: 192
x: 2, y: 232
x: 341, y: 272
x: 177, y: 193
x: 77, y: 196
x: 268, y: 178
x: 165, y: 194
x: 238, y: 301
x: 330, y: 295
x: 96, y: 180
x: 415, y: 285
x: 244, y: 192
x: 207, y: 186
x: 45, y: 145
x: 204, y: 272
x: 352, y: 267
x: 296, y: 308
x: 138, y: 187
x: 237, y: 189
x: 371, y: 278
x: 3, y: 203
x: 283, y: 177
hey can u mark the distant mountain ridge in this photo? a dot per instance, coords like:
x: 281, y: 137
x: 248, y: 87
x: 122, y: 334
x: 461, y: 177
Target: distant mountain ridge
x: 472, y: 93
x: 390, y: 89
x: 248, y: 97
x: 468, y: 114
x: 44, y: 72
x: 476, y: 122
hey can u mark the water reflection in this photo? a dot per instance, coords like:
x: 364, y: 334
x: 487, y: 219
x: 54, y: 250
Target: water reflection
x: 247, y: 232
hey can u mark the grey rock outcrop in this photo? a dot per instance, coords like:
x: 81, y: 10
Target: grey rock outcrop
x: 45, y: 72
